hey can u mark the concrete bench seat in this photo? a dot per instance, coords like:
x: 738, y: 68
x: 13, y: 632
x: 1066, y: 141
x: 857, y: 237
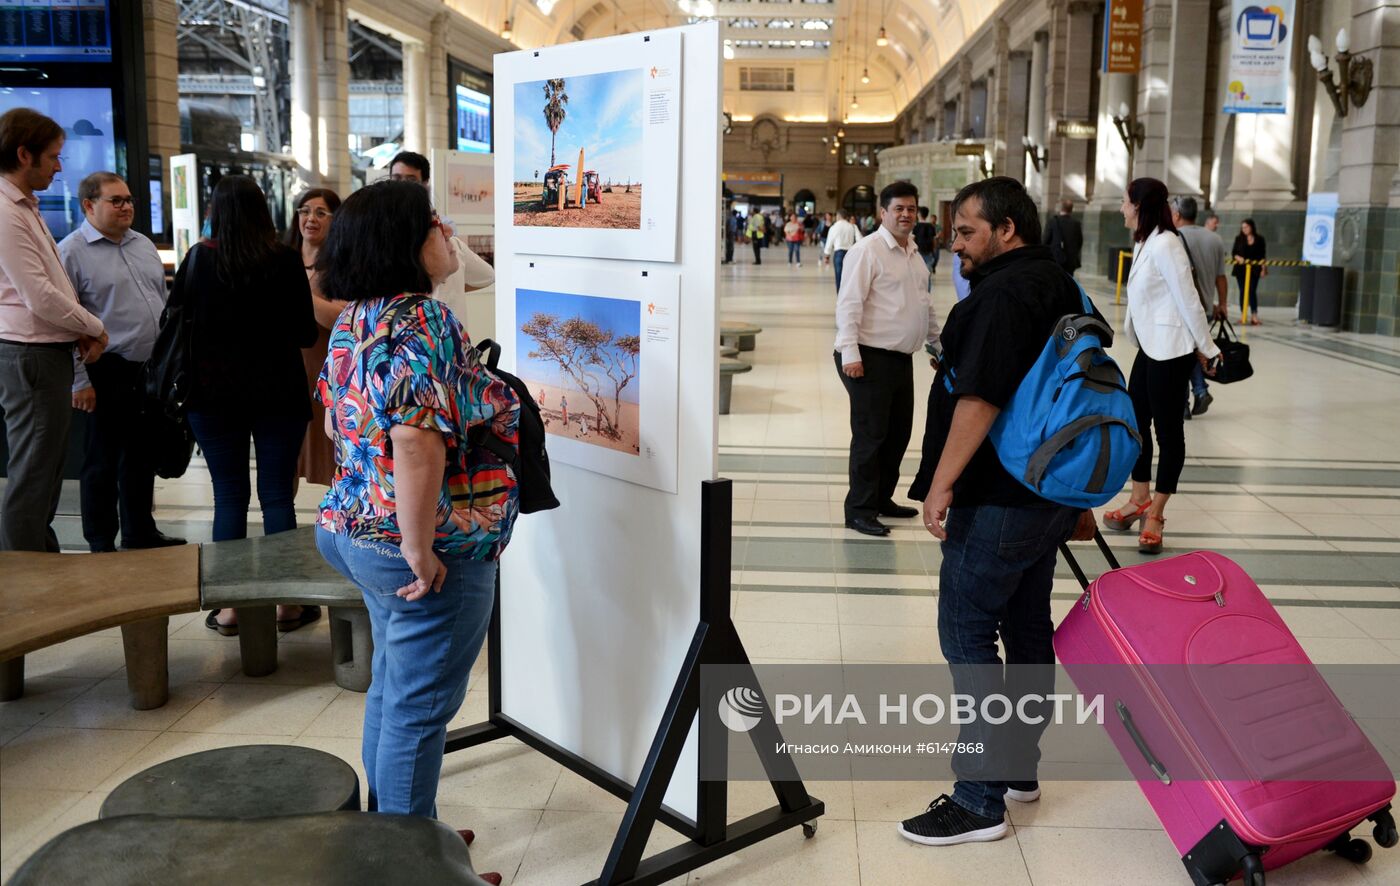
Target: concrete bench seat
x: 255, y: 575
x: 728, y: 351
x: 728, y: 368
x: 740, y: 335
x: 48, y: 598
x: 325, y: 849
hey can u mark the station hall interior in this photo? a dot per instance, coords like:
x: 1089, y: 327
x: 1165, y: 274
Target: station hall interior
x: 1293, y: 474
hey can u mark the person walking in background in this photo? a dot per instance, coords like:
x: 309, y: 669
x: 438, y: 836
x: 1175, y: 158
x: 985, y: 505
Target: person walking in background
x: 1207, y: 254
x: 733, y: 228
x: 793, y: 233
x: 41, y: 323
x: 1212, y: 222
x: 757, y: 231
x: 926, y: 239
x: 839, y: 240
x: 883, y: 316
x: 1250, y: 246
x: 1167, y: 323
x: 420, y: 513
x: 1065, y: 237
x: 315, y: 209
x: 252, y: 315
x: 118, y: 276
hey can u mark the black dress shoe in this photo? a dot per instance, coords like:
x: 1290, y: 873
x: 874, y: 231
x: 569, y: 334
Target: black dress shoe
x: 868, y: 526
x: 890, y: 509
x: 159, y: 540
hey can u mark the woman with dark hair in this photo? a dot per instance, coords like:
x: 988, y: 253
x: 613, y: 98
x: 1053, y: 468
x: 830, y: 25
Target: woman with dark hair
x: 1250, y: 246
x: 1167, y: 323
x: 417, y: 515
x: 252, y: 314
x: 315, y: 209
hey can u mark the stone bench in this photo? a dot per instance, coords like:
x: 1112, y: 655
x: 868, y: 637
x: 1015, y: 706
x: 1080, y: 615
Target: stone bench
x: 325, y: 849
x: 255, y: 575
x: 728, y: 351
x: 48, y: 598
x: 740, y: 335
x: 728, y: 368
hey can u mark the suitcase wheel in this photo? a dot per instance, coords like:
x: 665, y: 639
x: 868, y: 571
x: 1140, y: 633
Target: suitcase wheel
x: 1252, y: 870
x: 1385, y: 835
x: 1355, y: 850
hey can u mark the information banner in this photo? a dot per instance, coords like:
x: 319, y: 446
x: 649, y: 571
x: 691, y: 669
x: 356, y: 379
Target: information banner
x: 1319, y: 227
x: 1122, y: 37
x: 1261, y: 51
x: 184, y: 203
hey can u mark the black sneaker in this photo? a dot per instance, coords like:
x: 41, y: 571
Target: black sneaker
x: 947, y: 824
x: 1203, y: 403
x: 1023, y: 791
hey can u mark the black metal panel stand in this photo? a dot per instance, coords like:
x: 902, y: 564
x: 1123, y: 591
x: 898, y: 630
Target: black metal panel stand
x: 716, y: 642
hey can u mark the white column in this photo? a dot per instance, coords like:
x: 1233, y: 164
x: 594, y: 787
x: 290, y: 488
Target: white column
x: 305, y: 55
x: 1035, y: 124
x: 1015, y: 130
x: 964, y: 118
x: 415, y: 97
x: 334, y: 97
x: 1111, y: 173
x: 999, y: 102
x: 439, y: 97
x: 1185, y: 116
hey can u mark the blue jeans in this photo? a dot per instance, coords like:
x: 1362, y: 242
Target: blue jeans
x: 423, y: 653
x: 1198, y: 380
x: 838, y: 258
x: 795, y: 251
x: 223, y: 438
x: 998, y: 569
x: 930, y: 262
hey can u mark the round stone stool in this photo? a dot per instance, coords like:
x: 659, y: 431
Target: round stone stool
x: 250, y: 781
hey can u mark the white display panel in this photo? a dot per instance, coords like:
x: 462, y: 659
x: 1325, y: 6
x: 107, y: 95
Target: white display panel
x: 600, y: 598
x: 464, y: 187
x: 608, y: 339
x: 184, y: 203
x: 589, y: 141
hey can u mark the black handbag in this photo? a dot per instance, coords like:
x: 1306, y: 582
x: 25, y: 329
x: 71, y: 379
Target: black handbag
x: 170, y: 370
x: 1234, y: 365
x: 170, y: 442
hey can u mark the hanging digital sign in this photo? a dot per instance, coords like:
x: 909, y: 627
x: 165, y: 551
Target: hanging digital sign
x: 55, y: 31
x: 473, y: 121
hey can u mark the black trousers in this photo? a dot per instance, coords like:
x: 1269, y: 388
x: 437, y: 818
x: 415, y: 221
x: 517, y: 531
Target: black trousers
x: 757, y: 255
x: 1160, y: 389
x: 118, y: 478
x: 882, y: 418
x: 728, y: 249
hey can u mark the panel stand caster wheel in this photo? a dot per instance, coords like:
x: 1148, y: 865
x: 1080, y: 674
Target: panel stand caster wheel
x: 809, y: 830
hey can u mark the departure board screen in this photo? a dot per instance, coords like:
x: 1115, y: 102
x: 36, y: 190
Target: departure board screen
x: 55, y: 31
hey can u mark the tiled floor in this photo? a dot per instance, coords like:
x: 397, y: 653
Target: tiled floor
x: 1294, y: 474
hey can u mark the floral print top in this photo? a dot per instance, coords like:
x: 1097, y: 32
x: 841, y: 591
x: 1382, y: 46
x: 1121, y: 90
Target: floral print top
x: 427, y: 377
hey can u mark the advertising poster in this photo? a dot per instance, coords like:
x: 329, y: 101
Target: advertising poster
x: 590, y: 148
x: 1261, y: 49
x: 599, y: 351
x: 1319, y: 228
x: 184, y: 203
x: 468, y: 187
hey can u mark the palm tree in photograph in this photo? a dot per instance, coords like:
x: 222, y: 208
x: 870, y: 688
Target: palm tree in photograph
x: 555, y: 98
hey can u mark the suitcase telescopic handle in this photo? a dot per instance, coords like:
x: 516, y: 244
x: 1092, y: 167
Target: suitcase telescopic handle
x: 1157, y: 768
x: 1074, y: 566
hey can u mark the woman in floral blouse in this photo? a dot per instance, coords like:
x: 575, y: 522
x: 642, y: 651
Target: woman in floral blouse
x: 416, y: 516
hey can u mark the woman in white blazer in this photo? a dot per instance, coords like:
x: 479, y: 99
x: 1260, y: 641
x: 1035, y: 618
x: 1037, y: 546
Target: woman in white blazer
x: 1168, y: 325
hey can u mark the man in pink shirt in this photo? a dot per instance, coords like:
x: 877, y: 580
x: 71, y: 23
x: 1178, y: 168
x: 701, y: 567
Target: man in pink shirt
x: 41, y: 323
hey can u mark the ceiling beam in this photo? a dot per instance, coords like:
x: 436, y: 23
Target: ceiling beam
x: 732, y: 9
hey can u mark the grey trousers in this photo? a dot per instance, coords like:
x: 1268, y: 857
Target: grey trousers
x: 36, y: 393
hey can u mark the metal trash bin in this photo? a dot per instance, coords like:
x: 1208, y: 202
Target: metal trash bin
x: 1327, y: 295
x: 1307, y: 278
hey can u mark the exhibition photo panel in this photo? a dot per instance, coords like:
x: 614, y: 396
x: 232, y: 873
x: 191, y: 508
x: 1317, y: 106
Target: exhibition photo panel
x: 590, y: 148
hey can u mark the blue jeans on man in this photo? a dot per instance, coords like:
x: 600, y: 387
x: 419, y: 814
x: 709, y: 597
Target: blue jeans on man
x: 1199, y: 388
x: 996, y: 577
x: 837, y: 259
x: 423, y: 653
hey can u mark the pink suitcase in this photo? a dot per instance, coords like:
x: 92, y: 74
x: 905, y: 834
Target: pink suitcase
x: 1267, y: 729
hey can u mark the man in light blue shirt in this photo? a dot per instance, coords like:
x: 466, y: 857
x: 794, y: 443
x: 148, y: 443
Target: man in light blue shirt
x: 119, y: 277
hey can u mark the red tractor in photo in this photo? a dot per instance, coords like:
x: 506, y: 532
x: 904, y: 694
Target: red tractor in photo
x: 592, y: 188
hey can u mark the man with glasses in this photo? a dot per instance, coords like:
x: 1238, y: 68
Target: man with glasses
x: 473, y: 272
x: 119, y: 277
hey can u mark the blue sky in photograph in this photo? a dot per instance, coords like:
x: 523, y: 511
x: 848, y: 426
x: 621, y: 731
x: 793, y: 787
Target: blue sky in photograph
x: 622, y: 316
x: 603, y: 116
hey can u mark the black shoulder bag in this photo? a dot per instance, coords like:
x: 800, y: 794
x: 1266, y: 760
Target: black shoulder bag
x: 169, y: 374
x: 1234, y: 365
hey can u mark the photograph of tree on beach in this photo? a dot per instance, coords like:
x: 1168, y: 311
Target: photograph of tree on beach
x: 578, y: 156
x: 580, y: 356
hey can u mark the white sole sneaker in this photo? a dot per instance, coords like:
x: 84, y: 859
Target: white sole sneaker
x: 1023, y: 796
x: 985, y: 835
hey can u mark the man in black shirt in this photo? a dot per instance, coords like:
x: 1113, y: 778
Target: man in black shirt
x: 1065, y: 237
x: 926, y: 238
x: 999, y: 538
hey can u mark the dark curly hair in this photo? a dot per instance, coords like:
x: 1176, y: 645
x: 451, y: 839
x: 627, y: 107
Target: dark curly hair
x: 374, y: 248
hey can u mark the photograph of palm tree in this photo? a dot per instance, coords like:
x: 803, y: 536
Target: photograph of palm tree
x: 578, y: 151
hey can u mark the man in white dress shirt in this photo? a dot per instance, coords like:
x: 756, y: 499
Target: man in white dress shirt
x: 472, y: 272
x: 883, y: 317
x: 839, y: 240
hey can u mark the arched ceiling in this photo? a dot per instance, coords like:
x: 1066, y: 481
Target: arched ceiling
x: 828, y: 43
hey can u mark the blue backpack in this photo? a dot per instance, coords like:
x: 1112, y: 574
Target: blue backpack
x: 1069, y: 433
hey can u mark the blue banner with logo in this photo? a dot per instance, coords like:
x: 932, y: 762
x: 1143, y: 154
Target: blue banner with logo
x: 1261, y: 53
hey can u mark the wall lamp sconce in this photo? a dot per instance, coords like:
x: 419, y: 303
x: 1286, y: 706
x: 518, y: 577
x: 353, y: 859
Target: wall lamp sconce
x: 1131, y: 131
x: 1353, y: 74
x: 506, y: 32
x: 1039, y: 154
